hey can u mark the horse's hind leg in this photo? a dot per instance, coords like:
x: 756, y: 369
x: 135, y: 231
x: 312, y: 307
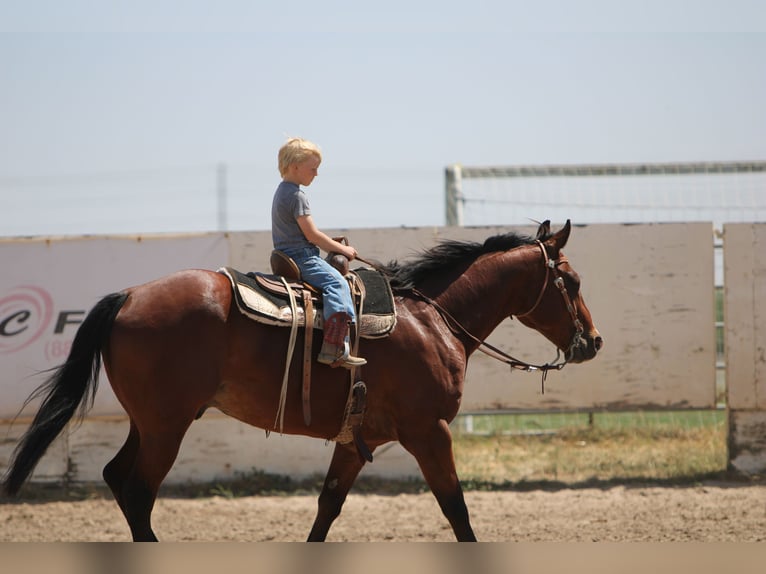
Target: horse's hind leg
x: 344, y: 468
x: 433, y: 451
x: 154, y: 456
x: 120, y: 466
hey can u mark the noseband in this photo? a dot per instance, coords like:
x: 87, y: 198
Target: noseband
x: 551, y: 268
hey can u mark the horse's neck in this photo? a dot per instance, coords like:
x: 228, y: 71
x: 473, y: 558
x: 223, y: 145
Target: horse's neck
x: 491, y: 289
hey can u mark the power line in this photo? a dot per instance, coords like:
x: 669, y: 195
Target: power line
x: 99, y: 177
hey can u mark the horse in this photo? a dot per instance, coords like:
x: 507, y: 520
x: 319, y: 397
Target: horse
x: 175, y: 346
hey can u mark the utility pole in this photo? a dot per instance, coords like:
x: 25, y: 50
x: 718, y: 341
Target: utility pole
x: 221, y: 176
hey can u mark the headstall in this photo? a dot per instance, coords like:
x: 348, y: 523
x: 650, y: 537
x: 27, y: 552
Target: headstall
x: 551, y: 268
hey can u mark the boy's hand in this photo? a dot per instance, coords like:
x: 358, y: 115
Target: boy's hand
x: 348, y: 251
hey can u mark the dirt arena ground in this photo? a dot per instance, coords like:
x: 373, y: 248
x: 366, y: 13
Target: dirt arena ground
x: 709, y: 512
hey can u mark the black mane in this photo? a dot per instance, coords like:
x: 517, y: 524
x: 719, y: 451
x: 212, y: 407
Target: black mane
x: 446, y: 255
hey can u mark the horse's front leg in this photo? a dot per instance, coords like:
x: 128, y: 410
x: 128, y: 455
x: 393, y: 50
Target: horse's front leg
x: 433, y: 451
x: 344, y: 468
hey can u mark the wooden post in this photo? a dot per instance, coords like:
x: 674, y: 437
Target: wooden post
x: 745, y: 340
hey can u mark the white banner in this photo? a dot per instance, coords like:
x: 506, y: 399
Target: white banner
x: 48, y: 286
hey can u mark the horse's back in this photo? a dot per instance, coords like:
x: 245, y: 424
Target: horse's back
x: 192, y: 292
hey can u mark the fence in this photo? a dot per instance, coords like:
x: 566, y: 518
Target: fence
x: 650, y: 289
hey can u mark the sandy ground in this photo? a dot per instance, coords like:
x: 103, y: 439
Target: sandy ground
x: 711, y: 512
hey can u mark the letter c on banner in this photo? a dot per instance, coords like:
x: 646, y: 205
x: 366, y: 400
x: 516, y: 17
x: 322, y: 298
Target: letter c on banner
x: 25, y: 313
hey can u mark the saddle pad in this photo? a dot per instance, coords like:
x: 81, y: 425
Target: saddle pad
x: 266, y: 306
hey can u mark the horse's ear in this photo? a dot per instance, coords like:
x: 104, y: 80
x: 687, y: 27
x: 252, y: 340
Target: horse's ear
x: 544, y: 231
x: 562, y: 235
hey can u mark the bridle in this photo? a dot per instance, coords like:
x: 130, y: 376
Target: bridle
x: 551, y: 269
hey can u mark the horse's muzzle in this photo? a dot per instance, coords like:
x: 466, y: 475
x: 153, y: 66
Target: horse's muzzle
x: 586, y: 348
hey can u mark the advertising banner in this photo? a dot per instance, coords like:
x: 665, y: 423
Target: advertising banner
x: 47, y: 287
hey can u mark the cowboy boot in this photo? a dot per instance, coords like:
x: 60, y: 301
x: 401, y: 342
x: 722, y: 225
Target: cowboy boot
x: 335, y: 348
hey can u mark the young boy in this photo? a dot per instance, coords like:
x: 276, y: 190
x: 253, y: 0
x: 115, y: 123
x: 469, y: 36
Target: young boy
x: 293, y: 231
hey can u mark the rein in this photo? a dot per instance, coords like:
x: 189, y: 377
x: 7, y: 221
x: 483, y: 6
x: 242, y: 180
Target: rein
x: 551, y: 267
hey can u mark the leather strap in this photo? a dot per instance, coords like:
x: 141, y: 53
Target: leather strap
x: 279, y: 422
x: 309, y: 336
x: 357, y: 294
x: 356, y: 417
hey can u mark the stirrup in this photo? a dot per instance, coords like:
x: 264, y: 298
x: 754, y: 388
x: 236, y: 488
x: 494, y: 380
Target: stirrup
x: 350, y: 361
x: 345, y: 360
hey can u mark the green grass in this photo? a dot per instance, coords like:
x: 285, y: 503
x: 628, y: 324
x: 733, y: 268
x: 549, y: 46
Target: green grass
x: 578, y: 448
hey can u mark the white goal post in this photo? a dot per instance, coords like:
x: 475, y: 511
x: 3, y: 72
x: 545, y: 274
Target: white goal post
x: 607, y: 193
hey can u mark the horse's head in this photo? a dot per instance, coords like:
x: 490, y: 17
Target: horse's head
x: 559, y: 311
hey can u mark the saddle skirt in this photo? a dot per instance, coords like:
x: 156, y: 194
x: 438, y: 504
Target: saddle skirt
x: 264, y: 298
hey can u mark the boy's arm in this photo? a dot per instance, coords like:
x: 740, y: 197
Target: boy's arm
x: 322, y: 240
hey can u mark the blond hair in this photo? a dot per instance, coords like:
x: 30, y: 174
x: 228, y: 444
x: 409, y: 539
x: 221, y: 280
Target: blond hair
x: 296, y: 150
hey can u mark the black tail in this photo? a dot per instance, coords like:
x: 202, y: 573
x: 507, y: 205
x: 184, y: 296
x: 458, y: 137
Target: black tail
x: 72, y: 386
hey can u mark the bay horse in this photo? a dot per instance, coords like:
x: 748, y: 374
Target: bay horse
x: 175, y: 346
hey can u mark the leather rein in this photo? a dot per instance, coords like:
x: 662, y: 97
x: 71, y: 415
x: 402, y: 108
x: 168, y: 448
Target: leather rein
x: 551, y: 268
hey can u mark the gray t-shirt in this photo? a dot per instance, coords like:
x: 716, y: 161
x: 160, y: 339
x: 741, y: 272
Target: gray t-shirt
x: 290, y: 202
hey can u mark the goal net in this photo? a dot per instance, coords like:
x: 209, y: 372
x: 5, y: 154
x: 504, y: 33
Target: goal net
x: 611, y: 193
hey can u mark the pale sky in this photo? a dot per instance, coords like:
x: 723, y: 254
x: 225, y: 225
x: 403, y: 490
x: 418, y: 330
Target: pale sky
x: 114, y: 115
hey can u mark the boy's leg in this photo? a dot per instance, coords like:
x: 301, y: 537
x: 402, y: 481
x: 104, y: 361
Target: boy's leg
x: 338, y: 311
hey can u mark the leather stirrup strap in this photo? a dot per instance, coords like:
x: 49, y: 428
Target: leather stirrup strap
x: 356, y: 417
x: 309, y: 335
x: 358, y: 389
x: 357, y: 294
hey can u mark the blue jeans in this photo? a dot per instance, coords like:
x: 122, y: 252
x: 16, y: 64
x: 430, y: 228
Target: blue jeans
x: 315, y: 271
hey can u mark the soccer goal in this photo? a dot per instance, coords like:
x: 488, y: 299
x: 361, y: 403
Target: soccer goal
x: 606, y: 193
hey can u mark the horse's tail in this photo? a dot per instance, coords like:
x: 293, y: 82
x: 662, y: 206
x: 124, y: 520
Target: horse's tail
x: 72, y: 386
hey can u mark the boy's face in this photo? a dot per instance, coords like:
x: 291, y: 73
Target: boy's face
x: 303, y: 173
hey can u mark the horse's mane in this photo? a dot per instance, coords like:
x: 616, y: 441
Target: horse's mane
x: 446, y: 255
